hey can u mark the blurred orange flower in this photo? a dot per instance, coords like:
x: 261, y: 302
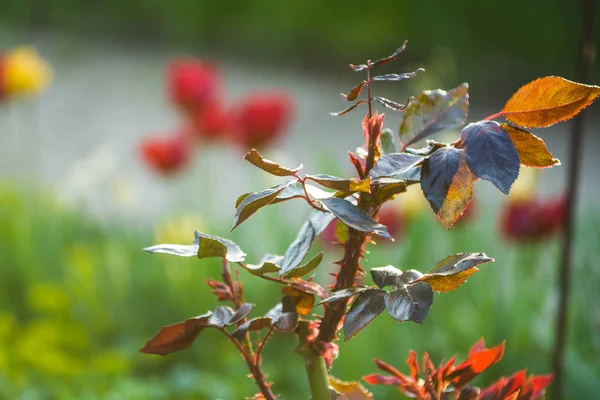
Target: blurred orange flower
x: 23, y: 72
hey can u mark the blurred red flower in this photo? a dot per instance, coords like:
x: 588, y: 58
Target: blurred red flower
x: 212, y: 121
x: 261, y: 118
x: 192, y: 83
x: 533, y: 220
x: 166, y: 155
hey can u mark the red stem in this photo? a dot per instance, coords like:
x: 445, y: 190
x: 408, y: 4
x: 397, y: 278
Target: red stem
x: 494, y: 116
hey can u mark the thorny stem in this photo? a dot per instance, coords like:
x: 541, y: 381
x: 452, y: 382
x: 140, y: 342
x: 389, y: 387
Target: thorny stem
x: 586, y: 61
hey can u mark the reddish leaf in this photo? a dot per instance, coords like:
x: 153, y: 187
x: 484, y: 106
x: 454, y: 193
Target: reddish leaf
x: 269, y: 166
x: 532, y: 150
x: 491, y: 154
x: 388, y: 59
x: 376, y: 379
x: 354, y: 92
x: 476, y: 364
x: 477, y: 347
x: 413, y: 365
x: 347, y: 110
x: 177, y: 336
x: 255, y: 324
x: 547, y: 101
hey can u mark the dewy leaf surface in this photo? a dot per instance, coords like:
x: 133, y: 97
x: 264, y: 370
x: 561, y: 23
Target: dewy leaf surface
x: 547, y: 101
x: 531, y: 149
x: 354, y: 217
x: 255, y: 201
x: 394, y: 164
x: 491, y: 154
x: 410, y: 303
x: 269, y: 166
x: 368, y: 305
x: 433, y: 111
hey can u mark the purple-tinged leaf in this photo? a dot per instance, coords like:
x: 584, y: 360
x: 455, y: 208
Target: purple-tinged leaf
x: 344, y: 294
x: 255, y: 201
x: 397, y: 77
x: 394, y: 164
x: 433, y: 111
x: 410, y: 303
x: 221, y: 317
x: 385, y: 276
x: 269, y: 166
x: 316, y: 223
x: 392, y: 105
x: 388, y: 59
x: 240, y: 313
x: 204, y: 246
x: 253, y: 325
x: 346, y: 185
x: 306, y: 268
x: 354, y: 93
x: 368, y: 305
x: 491, y: 154
x: 347, y: 110
x: 296, y: 191
x: 437, y: 174
x: 354, y: 217
x: 285, y: 318
x: 359, y: 67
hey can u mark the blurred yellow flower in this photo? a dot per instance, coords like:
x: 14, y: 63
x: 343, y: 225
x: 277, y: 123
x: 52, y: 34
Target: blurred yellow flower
x: 413, y: 202
x: 525, y: 186
x: 178, y: 230
x: 23, y: 72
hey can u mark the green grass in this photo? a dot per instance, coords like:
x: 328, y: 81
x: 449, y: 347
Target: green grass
x: 78, y: 298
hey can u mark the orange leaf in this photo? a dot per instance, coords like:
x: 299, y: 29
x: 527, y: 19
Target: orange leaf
x: 304, y: 301
x: 446, y: 283
x: 547, y: 101
x: 476, y: 364
x: 458, y: 196
x: 532, y: 150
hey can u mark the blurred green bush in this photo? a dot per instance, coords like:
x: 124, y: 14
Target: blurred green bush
x: 78, y: 298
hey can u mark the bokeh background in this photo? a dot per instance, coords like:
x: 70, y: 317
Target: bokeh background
x: 78, y: 297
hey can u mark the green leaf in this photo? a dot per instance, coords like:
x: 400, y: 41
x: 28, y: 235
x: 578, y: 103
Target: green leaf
x: 344, y: 294
x: 394, y: 164
x: 433, y: 111
x: 204, y: 246
x: 388, y: 141
x: 397, y: 77
x: 347, y: 185
x: 269, y: 263
x: 341, y: 232
x: 491, y: 154
x: 269, y: 166
x: 410, y: 302
x: 316, y: 223
x: 354, y: 217
x: 385, y: 276
x: 253, y: 325
x: 447, y: 183
x: 255, y: 201
x: 368, y: 305
x: 306, y: 268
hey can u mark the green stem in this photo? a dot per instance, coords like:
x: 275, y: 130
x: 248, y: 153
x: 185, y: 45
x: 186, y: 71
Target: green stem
x: 316, y: 368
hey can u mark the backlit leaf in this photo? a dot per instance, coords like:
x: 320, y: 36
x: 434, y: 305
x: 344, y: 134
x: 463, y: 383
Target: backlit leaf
x: 347, y: 110
x: 316, y: 223
x: 368, y: 305
x: 397, y: 77
x: 547, y: 101
x: 388, y: 141
x: 348, y: 185
x: 344, y: 294
x: 433, y: 111
x: 255, y: 201
x: 452, y: 271
x: 491, y: 154
x: 269, y: 263
x: 354, y: 217
x: 255, y: 324
x: 385, y: 276
x: 410, y: 302
x: 475, y: 365
x: 394, y: 164
x: 392, y: 105
x: 354, y: 93
x: 204, y: 246
x: 386, y: 188
x: 349, y: 390
x: 531, y: 149
x: 306, y: 268
x: 341, y: 232
x: 269, y: 166
x: 447, y: 183
x: 296, y: 191
x: 304, y: 301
